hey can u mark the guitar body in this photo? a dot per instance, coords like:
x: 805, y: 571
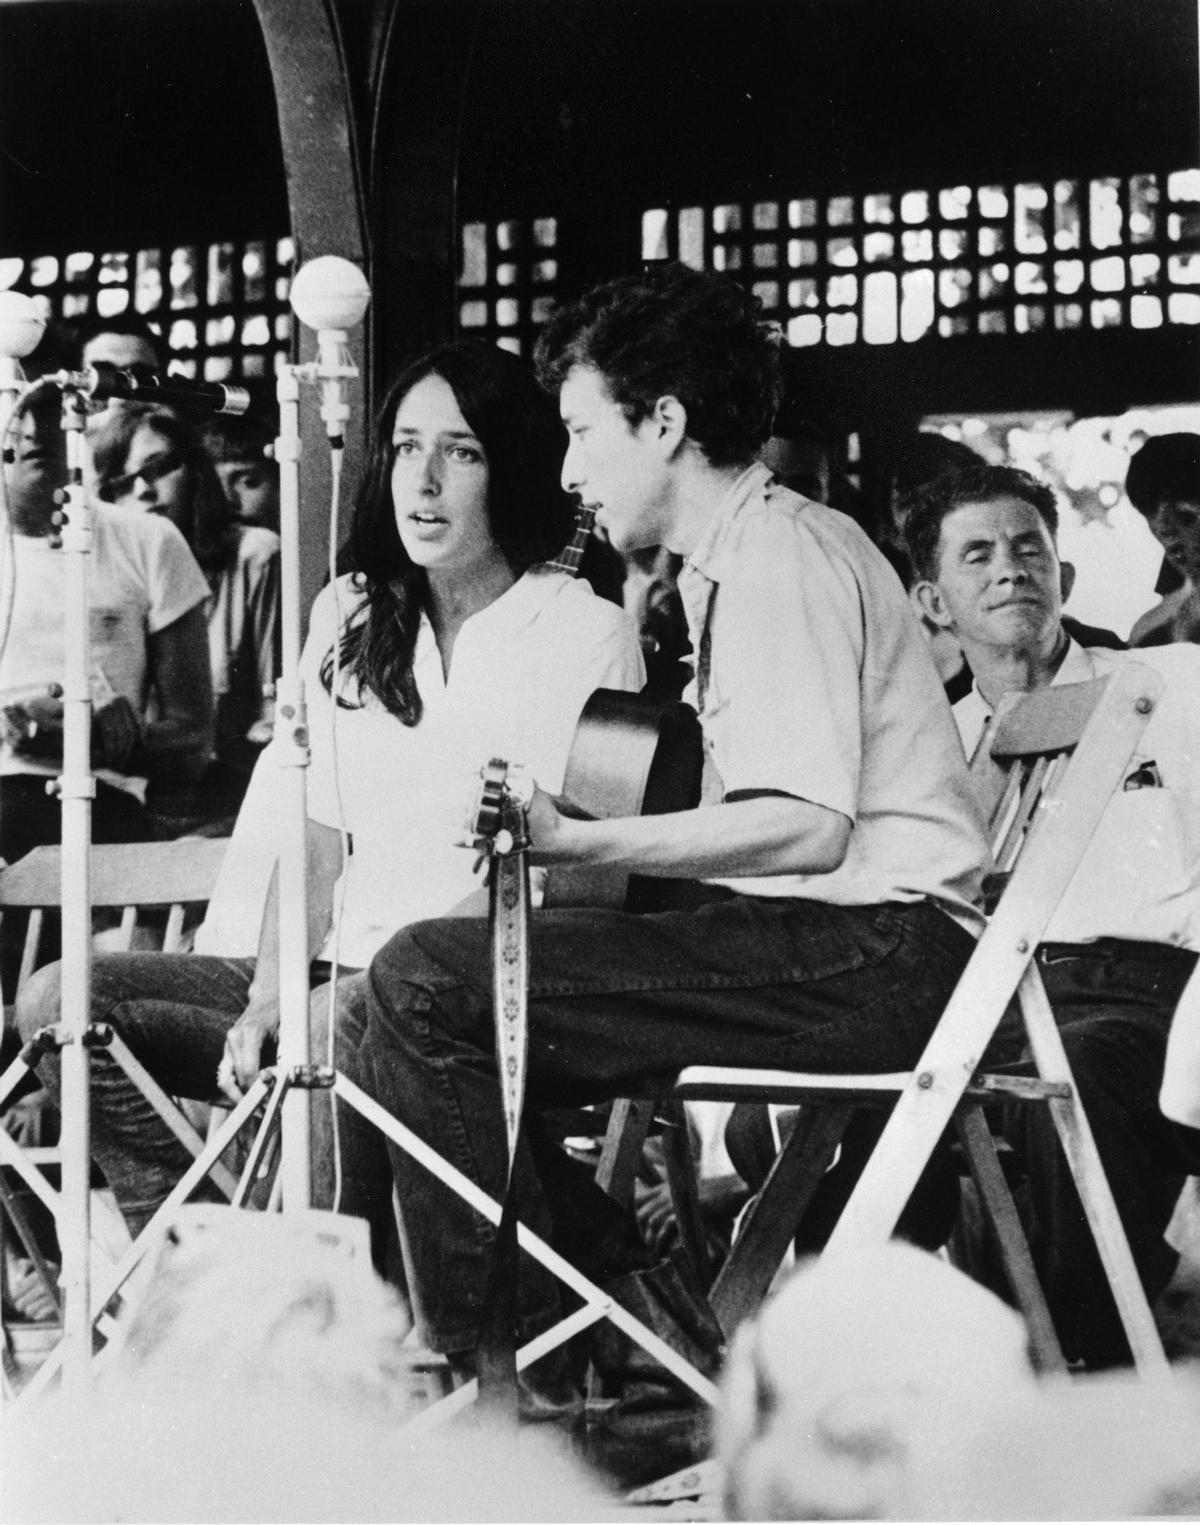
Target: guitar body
x: 632, y: 755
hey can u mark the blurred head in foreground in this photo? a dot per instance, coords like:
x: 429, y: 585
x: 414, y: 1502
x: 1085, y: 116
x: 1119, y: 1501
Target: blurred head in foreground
x: 261, y: 1375
x: 884, y: 1384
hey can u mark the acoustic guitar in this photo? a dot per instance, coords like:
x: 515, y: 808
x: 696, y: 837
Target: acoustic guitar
x: 631, y: 755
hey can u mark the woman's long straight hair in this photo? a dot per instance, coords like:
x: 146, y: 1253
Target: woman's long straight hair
x: 529, y: 514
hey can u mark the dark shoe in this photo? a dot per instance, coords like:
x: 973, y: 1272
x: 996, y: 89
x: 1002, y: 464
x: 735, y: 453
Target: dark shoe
x: 657, y: 1424
x: 668, y: 1299
x: 546, y: 1391
x: 631, y: 1449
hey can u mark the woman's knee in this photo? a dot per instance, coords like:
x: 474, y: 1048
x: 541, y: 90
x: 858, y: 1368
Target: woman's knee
x: 40, y: 1001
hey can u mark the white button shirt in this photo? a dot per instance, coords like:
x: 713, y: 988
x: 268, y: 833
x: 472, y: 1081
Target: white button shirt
x: 521, y: 672
x: 814, y: 680
x: 1140, y: 876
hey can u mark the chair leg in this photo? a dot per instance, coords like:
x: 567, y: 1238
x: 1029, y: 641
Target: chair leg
x: 774, y: 1216
x: 683, y: 1180
x: 1005, y: 1224
x: 12, y: 1211
x: 1091, y: 1182
x: 625, y: 1138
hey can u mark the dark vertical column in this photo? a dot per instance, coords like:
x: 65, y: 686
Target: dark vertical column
x: 419, y: 93
x: 328, y: 216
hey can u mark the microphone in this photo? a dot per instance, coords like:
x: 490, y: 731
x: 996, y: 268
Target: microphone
x: 330, y: 295
x: 21, y: 327
x: 101, y: 382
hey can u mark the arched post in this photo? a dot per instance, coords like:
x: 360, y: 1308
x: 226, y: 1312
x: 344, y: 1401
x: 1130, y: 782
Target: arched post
x: 328, y: 216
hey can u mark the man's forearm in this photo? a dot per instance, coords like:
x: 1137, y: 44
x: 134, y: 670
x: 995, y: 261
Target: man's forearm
x: 752, y: 837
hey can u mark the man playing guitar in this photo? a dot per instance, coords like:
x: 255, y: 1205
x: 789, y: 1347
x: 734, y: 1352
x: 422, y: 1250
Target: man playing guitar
x: 837, y: 838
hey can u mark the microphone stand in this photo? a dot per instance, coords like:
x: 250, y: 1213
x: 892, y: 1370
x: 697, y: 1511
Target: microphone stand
x: 292, y: 753
x: 290, y: 744
x: 77, y: 789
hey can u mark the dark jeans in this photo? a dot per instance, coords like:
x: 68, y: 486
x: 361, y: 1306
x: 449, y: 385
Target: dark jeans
x: 619, y: 1003
x: 174, y: 1011
x: 1113, y: 1002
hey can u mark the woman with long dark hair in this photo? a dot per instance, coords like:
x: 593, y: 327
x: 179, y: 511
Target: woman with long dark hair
x: 450, y: 642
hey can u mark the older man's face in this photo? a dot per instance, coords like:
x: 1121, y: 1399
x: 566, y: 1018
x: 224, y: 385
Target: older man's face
x: 999, y: 580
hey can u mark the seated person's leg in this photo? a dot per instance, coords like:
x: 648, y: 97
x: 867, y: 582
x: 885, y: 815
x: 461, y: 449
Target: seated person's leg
x: 604, y: 1021
x: 174, y: 1012
x: 1116, y: 1060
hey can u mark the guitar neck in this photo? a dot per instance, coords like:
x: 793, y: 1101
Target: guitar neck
x: 570, y: 558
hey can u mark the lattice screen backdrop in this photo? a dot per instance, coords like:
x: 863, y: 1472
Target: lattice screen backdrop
x: 221, y: 307
x: 894, y: 265
x: 890, y: 266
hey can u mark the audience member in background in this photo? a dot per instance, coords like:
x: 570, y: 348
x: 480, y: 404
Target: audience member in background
x: 1163, y: 484
x: 1121, y: 945
x: 450, y: 643
x: 149, y: 459
x: 124, y: 341
x: 146, y: 595
x: 926, y: 457
x: 800, y: 452
x: 239, y: 449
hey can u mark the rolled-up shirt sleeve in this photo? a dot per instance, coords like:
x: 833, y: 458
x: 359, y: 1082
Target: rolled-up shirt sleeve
x: 782, y: 708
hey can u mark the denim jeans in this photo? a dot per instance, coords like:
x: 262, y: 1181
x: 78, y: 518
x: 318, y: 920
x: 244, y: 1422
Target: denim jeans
x: 1113, y: 1002
x: 619, y: 1003
x: 174, y: 1011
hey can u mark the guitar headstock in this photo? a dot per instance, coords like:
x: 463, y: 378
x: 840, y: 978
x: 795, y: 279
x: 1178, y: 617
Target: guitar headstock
x: 484, y: 815
x: 496, y: 818
x: 570, y: 558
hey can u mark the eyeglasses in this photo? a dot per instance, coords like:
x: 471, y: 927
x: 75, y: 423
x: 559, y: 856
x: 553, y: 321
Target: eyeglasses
x: 112, y: 489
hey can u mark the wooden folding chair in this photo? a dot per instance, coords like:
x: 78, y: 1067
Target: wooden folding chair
x: 1045, y: 771
x: 153, y: 886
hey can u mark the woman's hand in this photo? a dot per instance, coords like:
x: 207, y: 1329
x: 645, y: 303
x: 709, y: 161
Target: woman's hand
x: 244, y: 1042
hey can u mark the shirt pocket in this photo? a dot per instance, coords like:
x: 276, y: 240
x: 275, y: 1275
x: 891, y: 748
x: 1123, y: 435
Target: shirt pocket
x: 1135, y: 878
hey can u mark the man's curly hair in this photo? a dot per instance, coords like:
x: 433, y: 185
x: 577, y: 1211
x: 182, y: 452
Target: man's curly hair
x: 674, y: 332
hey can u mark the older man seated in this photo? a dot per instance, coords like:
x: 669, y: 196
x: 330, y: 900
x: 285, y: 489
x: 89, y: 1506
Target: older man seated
x: 1121, y: 946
